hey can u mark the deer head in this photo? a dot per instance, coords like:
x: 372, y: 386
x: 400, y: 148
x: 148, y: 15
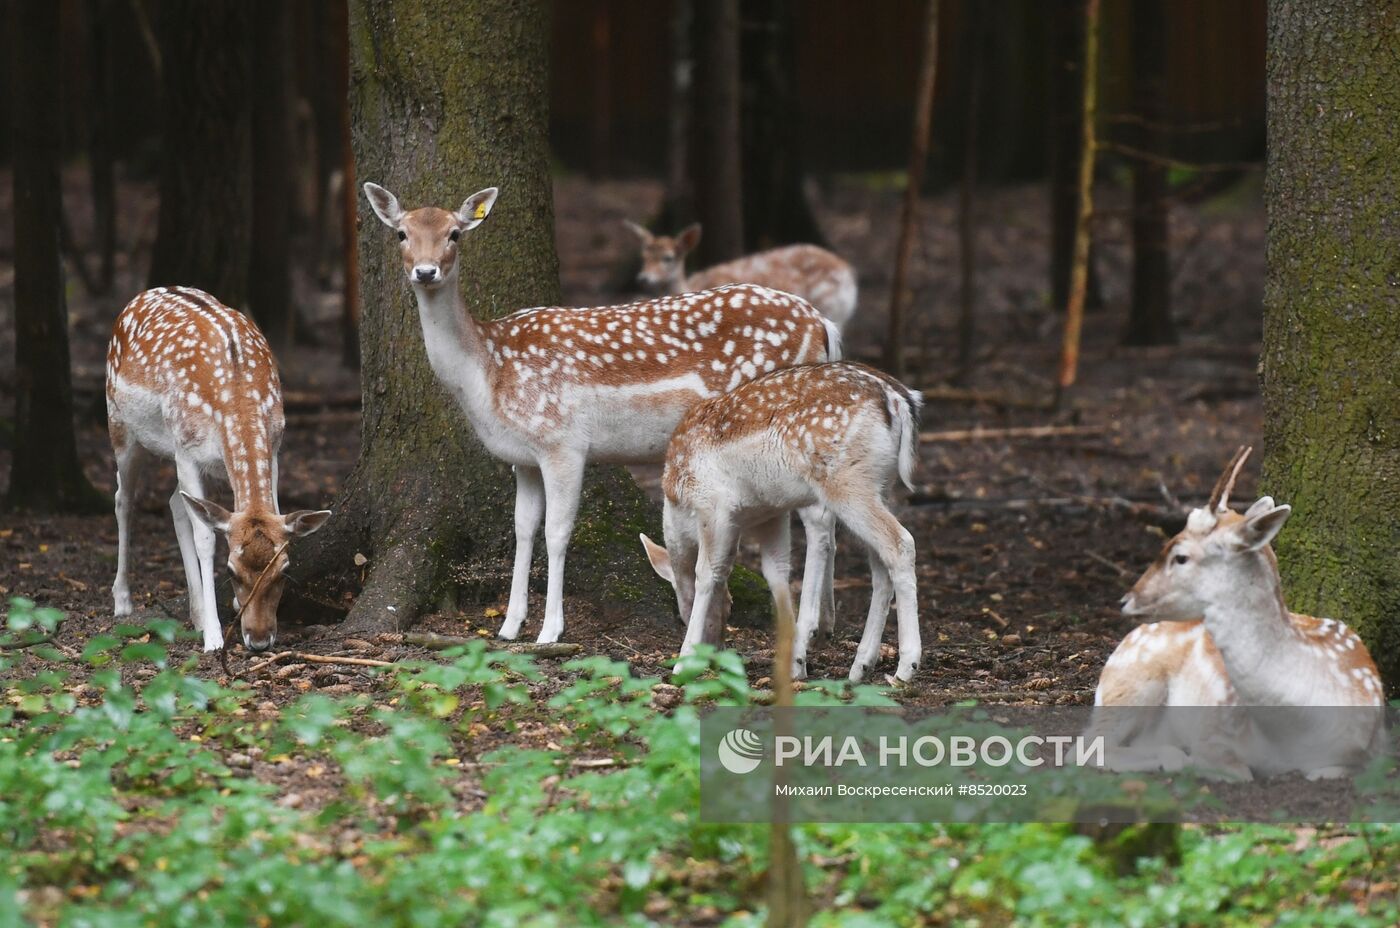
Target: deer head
x: 663, y: 257
x: 428, y: 237
x: 681, y: 573
x: 257, y: 559
x: 1206, y: 563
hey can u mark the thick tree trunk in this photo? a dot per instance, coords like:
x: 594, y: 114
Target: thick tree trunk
x: 1150, y: 318
x: 46, y: 474
x: 715, y: 167
x: 205, y: 212
x: 448, y: 98
x: 1331, y: 365
x: 269, y: 265
x: 776, y: 211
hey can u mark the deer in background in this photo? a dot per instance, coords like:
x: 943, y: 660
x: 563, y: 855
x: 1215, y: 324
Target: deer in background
x: 551, y: 388
x: 815, y: 274
x: 1225, y: 638
x: 192, y: 380
x: 828, y: 435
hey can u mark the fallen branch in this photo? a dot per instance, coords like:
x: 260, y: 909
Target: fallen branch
x: 442, y: 642
x: 978, y: 433
x: 317, y: 659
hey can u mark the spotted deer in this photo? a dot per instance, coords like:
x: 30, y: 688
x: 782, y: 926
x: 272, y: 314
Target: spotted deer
x: 1222, y: 638
x: 191, y: 380
x: 813, y: 273
x: 833, y: 436
x: 551, y: 388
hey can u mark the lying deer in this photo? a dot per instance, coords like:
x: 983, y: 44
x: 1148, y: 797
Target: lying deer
x: 551, y: 388
x: 1226, y: 639
x: 192, y: 380
x: 830, y: 435
x: 813, y: 273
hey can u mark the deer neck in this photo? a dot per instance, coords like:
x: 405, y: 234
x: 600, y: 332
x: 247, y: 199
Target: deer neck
x: 248, y: 460
x: 456, y: 347
x: 1263, y: 653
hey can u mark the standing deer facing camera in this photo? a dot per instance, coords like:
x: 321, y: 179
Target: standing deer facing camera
x: 1225, y: 638
x: 190, y: 379
x: 551, y: 388
x: 815, y: 274
x: 833, y: 436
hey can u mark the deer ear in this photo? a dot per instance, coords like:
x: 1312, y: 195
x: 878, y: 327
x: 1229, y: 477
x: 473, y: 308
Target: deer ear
x: 476, y: 208
x: 660, y: 559
x: 1258, y: 530
x: 1262, y: 504
x: 385, y: 204
x: 689, y: 238
x: 305, y: 521
x: 211, y: 514
x: 642, y: 234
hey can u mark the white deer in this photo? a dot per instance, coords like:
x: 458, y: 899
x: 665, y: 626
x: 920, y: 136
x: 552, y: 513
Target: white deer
x: 192, y: 380
x: 815, y: 274
x: 551, y: 388
x: 1225, y: 638
x: 833, y: 436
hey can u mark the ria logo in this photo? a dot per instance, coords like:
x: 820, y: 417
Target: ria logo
x: 740, y: 751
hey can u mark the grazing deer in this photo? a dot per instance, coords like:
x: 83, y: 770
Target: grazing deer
x: 549, y: 389
x: 1225, y: 638
x: 825, y: 435
x: 190, y: 379
x: 815, y: 274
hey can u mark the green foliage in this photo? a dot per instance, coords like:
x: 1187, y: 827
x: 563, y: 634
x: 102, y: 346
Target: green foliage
x: 127, y: 807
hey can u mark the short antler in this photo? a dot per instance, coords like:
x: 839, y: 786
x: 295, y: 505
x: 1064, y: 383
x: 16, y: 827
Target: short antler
x: 1220, y: 496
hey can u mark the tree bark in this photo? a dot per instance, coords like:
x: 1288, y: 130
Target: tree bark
x: 1331, y: 366
x: 776, y: 211
x: 205, y: 217
x: 1079, y: 265
x: 269, y: 265
x: 448, y: 98
x: 967, y: 195
x: 1066, y: 138
x: 46, y: 474
x: 1150, y: 317
x: 715, y: 167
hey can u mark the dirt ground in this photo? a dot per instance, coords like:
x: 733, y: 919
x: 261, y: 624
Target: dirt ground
x: 1025, y: 545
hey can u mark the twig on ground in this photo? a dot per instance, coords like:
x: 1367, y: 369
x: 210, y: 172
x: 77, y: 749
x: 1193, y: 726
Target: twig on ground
x: 978, y: 433
x: 1114, y: 565
x: 441, y: 642
x: 317, y: 659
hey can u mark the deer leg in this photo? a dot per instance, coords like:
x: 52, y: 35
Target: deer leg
x: 529, y: 509
x: 894, y: 546
x: 184, y: 534
x: 817, y: 608
x: 563, y: 481
x: 204, y: 542
x: 129, y: 465
x: 881, y: 592
x: 775, y: 546
x: 718, y: 547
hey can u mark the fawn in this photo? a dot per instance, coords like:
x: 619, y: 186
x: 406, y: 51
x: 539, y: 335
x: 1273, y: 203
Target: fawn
x: 192, y: 380
x: 830, y: 435
x: 551, y: 388
x: 1225, y: 638
x: 815, y: 274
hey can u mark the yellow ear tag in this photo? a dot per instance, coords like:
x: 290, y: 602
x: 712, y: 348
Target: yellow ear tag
x: 480, y: 212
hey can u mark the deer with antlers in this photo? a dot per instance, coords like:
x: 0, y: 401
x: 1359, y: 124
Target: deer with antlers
x: 828, y: 436
x: 1223, y: 637
x: 549, y: 389
x: 191, y: 380
x: 815, y: 274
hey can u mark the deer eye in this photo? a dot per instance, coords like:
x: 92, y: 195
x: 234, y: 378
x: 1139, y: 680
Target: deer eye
x: 455, y: 234
x: 1180, y: 559
x: 403, y: 236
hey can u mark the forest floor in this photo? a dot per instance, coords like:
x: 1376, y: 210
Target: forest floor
x: 1024, y: 544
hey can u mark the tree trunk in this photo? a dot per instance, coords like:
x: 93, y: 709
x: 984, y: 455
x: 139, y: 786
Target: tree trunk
x: 715, y: 167
x: 448, y: 98
x: 46, y: 474
x: 776, y: 211
x: 1150, y: 318
x: 1331, y: 315
x: 269, y: 265
x: 205, y: 216
x: 1079, y: 263
x: 1066, y: 138
x: 977, y: 29
x: 101, y: 17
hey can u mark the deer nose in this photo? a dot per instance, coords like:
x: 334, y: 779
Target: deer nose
x: 425, y: 274
x: 258, y: 646
x: 1128, y: 603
